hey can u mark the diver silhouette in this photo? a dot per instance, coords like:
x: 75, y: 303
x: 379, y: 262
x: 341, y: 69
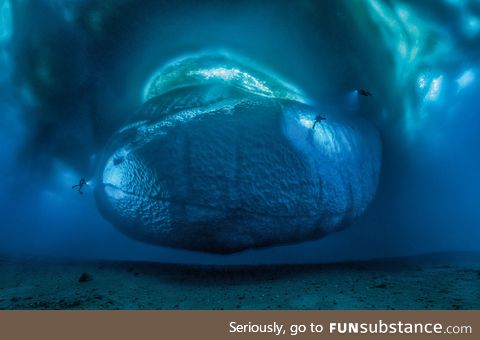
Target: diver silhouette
x: 318, y: 119
x: 364, y: 93
x: 80, y: 185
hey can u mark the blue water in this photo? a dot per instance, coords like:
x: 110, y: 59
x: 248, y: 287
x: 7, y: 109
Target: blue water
x: 71, y: 77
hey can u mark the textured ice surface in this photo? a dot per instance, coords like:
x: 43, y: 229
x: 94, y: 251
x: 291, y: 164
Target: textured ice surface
x: 224, y: 163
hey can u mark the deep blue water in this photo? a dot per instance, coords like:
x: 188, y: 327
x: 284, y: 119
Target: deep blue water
x: 70, y: 77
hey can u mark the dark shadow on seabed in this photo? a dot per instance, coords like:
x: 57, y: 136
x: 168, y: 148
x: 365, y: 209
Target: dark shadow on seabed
x: 435, y: 281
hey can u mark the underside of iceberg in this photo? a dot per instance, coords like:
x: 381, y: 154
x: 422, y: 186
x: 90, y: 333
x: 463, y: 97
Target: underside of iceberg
x: 222, y: 157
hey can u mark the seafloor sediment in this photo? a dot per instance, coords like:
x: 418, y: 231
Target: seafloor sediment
x: 439, y: 281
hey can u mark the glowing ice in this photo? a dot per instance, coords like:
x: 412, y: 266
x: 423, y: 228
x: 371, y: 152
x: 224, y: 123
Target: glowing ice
x: 427, y: 55
x: 465, y: 79
x: 5, y: 20
x: 435, y: 88
x: 193, y: 70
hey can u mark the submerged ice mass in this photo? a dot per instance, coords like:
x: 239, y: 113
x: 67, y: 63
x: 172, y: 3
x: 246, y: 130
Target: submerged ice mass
x: 82, y: 95
x: 222, y: 158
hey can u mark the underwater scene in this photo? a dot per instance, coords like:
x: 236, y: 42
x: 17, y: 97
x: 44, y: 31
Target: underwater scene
x: 240, y: 154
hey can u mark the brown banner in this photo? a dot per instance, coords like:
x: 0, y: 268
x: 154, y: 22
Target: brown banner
x: 238, y: 324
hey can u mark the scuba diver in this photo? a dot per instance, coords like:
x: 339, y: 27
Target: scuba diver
x: 364, y: 93
x: 80, y: 185
x: 318, y: 119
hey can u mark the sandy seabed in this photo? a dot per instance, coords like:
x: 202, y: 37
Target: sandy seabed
x: 437, y: 281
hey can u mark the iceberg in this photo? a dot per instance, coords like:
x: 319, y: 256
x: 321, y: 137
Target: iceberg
x: 222, y: 157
